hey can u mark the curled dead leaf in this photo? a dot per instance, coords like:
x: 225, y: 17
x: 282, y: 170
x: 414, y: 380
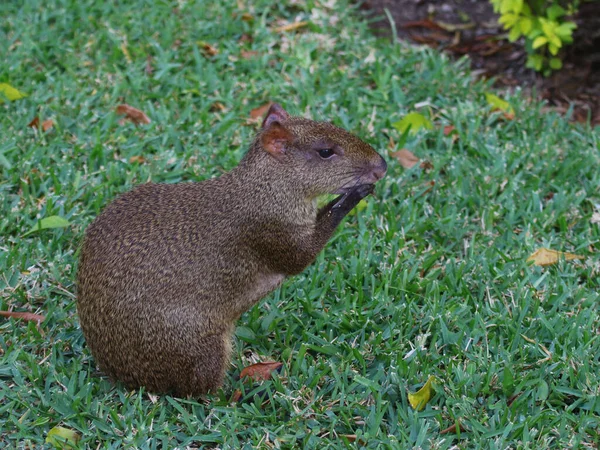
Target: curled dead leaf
x: 46, y: 124
x: 260, y: 371
x: 137, y: 159
x: 426, y: 165
x: 290, y: 27
x: 23, y: 316
x: 406, y: 158
x: 547, y: 257
x: 208, y: 49
x: 35, y: 123
x: 259, y: 113
x: 133, y: 114
x: 217, y: 107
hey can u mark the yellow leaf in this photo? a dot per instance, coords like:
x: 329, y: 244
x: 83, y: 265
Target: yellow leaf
x: 546, y: 257
x: 419, y: 399
x: 498, y: 104
x: 61, y: 437
x: 11, y: 93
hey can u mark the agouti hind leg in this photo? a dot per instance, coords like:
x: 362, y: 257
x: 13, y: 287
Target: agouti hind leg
x: 212, y: 359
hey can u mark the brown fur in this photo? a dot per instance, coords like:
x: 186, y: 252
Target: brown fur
x: 167, y: 269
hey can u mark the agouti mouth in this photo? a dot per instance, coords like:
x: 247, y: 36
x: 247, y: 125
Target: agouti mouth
x: 349, y: 189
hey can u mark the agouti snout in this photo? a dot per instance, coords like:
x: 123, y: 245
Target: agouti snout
x: 166, y: 270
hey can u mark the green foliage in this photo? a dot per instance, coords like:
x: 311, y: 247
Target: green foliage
x: 543, y: 24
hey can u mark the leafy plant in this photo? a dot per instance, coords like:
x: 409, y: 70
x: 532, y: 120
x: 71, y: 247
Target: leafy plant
x: 543, y: 24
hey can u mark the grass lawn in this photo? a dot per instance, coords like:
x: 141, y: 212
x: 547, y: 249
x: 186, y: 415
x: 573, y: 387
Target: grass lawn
x: 430, y: 278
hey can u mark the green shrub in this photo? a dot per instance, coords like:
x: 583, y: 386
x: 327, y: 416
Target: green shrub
x: 543, y: 24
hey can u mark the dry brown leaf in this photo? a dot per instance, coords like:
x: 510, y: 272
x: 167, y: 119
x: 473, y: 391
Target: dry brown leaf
x: 259, y: 113
x: 35, y: 123
x: 235, y: 397
x: 248, y: 54
x: 260, y: 371
x: 290, y: 27
x: 23, y: 315
x: 426, y: 165
x: 452, y: 429
x: 448, y: 129
x: 406, y: 158
x: 47, y: 124
x: 217, y: 106
x: 508, y: 115
x: 247, y: 17
x: 208, y: 49
x: 133, y: 114
x: 547, y: 257
x: 137, y: 159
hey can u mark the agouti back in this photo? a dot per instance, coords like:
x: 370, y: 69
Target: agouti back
x: 167, y: 269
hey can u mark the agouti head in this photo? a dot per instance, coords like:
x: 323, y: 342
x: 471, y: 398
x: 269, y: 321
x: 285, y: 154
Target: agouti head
x: 319, y: 157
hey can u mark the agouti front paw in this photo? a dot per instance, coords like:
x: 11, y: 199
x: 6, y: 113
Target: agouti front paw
x: 351, y: 198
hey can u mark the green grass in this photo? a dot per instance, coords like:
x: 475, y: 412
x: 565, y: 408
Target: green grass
x: 427, y: 280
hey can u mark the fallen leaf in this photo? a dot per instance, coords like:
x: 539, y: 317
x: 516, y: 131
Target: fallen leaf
x: 419, y: 399
x: 406, y: 158
x: 547, y: 257
x: 247, y: 17
x: 133, y: 114
x: 61, y: 438
x: 11, y: 93
x: 260, y: 371
x: 259, y: 113
x: 453, y: 428
x: 48, y: 222
x: 23, y: 315
x: 426, y: 165
x: 448, y: 129
x: 498, y: 104
x: 46, y: 124
x: 235, y: 397
x: 290, y: 27
x: 248, y: 54
x: 208, y: 49
x: 217, y: 106
x: 137, y: 159
x: 415, y: 121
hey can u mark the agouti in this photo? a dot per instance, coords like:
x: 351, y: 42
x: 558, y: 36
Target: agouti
x: 167, y: 269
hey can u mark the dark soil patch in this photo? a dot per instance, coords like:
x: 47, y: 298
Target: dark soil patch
x: 470, y: 27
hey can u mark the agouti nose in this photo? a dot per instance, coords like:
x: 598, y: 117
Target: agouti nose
x: 378, y: 172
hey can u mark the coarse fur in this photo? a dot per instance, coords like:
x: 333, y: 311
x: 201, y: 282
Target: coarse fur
x: 167, y: 269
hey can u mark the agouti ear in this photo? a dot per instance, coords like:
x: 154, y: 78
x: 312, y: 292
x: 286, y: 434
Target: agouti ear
x: 274, y: 138
x: 275, y: 114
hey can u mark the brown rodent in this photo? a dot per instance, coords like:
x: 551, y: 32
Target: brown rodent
x: 167, y: 269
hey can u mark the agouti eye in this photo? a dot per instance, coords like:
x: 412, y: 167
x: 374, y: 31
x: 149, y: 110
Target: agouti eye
x: 326, y: 153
